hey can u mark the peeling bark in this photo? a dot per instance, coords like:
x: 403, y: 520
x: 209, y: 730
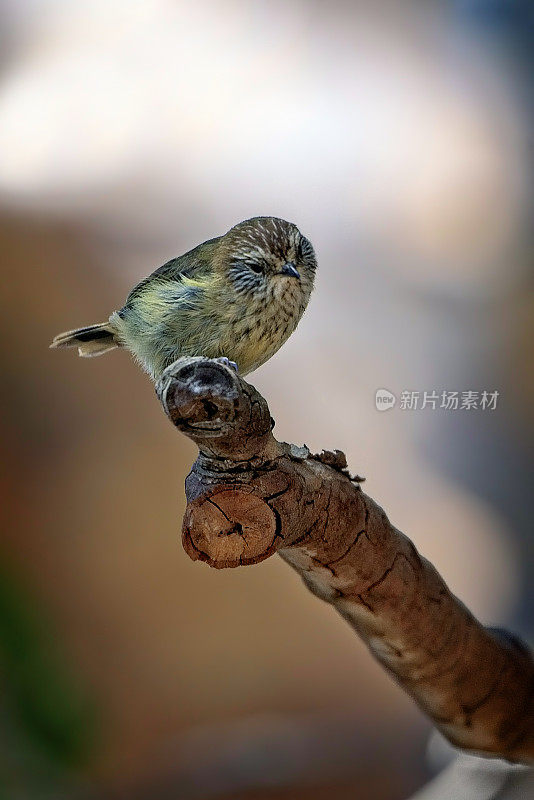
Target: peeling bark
x: 250, y: 496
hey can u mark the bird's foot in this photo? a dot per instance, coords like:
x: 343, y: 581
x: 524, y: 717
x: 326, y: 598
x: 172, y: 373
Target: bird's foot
x: 228, y: 363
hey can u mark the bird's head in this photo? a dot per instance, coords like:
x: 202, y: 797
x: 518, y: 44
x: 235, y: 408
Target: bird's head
x: 268, y: 258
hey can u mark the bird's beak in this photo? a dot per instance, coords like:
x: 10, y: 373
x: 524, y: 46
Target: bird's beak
x: 291, y: 270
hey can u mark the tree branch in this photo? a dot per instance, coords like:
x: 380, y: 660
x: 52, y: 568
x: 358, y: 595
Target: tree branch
x: 250, y: 496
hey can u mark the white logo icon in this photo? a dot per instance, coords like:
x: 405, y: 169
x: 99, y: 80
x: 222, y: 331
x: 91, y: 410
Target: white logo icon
x: 384, y: 400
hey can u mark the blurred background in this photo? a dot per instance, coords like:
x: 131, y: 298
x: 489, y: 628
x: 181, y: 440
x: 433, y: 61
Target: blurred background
x: 398, y: 136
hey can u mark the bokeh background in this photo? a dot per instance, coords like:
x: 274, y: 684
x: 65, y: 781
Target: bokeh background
x: 398, y: 136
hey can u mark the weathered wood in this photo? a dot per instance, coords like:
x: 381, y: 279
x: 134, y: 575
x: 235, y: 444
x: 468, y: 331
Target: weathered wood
x: 250, y: 496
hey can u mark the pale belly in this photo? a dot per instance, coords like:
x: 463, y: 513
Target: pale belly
x: 249, y: 339
x: 256, y: 338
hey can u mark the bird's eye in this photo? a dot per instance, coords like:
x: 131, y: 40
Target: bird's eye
x: 242, y: 265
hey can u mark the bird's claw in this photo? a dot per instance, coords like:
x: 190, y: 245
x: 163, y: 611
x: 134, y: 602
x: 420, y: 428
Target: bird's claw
x: 228, y: 363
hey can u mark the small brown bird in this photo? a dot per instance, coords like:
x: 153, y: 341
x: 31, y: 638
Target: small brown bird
x: 239, y: 296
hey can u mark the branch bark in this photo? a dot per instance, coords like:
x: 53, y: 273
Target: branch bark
x: 250, y: 496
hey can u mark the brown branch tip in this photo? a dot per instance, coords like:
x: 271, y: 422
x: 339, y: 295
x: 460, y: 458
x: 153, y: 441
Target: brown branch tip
x: 249, y: 496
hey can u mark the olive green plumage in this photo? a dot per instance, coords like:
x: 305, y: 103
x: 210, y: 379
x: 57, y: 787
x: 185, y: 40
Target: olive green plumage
x: 238, y: 296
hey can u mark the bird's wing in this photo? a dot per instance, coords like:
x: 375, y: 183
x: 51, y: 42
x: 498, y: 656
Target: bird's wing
x: 190, y: 267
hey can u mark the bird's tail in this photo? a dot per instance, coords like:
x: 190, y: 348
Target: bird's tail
x: 94, y: 340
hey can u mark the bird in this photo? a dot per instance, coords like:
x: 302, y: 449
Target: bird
x: 237, y: 297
